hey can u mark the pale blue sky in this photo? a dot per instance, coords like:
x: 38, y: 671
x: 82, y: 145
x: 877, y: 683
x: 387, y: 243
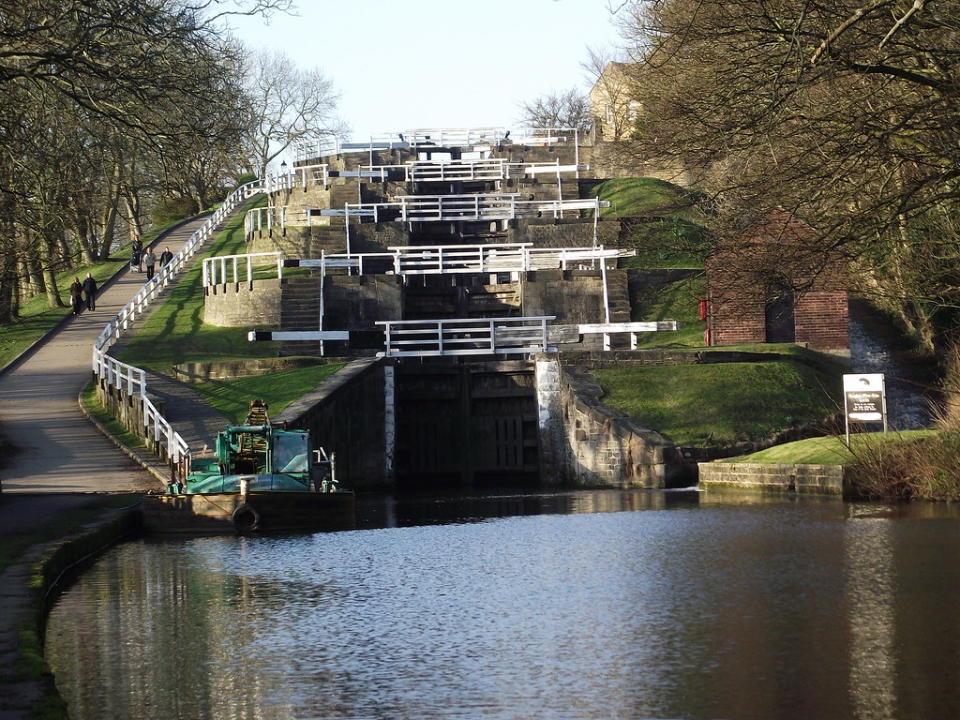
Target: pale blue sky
x: 403, y: 64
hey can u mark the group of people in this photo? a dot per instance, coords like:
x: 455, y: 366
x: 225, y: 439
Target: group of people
x: 140, y: 260
x: 84, y: 294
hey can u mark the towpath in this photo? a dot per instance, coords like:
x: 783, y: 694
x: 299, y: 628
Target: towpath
x: 57, y: 450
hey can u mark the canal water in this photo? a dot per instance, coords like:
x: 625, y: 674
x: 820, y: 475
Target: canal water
x: 579, y: 605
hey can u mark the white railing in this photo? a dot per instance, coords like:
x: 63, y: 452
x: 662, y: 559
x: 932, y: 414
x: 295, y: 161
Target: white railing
x: 413, y: 260
x: 302, y: 177
x: 265, y: 218
x: 441, y: 137
x: 133, y: 379
x: 224, y: 269
x: 446, y: 208
x: 453, y: 137
x: 486, y: 336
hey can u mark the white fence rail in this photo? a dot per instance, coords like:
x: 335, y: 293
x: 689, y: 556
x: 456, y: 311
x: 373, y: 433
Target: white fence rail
x: 132, y: 379
x: 446, y: 208
x: 224, y: 269
x: 329, y: 145
x: 486, y: 336
x: 302, y: 177
x: 413, y: 260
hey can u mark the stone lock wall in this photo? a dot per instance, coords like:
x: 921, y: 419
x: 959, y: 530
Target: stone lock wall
x: 348, y: 414
x: 586, y: 444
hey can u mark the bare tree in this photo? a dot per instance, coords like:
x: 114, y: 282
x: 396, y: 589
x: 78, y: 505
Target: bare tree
x: 569, y: 109
x: 846, y: 117
x: 287, y: 104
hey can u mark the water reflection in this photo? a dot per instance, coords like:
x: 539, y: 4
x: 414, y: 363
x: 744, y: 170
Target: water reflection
x: 581, y: 605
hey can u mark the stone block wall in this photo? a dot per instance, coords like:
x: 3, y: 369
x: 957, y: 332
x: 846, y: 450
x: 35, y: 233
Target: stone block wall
x: 308, y: 242
x: 806, y: 479
x: 346, y: 414
x: 597, y: 446
x: 243, y: 304
x: 563, y: 232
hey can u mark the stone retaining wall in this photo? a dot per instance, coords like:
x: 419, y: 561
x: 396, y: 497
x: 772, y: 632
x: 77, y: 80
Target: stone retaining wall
x: 594, y: 445
x: 243, y: 304
x: 346, y: 414
x: 804, y: 479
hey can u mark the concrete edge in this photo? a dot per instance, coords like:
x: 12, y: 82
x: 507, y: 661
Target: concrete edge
x: 35, y: 581
x: 151, y: 467
x: 802, y: 478
x: 39, y: 342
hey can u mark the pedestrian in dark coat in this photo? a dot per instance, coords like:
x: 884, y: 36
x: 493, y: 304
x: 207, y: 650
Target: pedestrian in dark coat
x: 90, y: 291
x: 136, y: 253
x: 165, y: 257
x: 76, y: 296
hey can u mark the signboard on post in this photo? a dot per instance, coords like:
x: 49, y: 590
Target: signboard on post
x: 864, y: 399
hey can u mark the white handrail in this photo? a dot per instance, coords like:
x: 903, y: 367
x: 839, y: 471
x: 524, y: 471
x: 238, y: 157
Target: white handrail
x: 133, y: 379
x: 459, y: 336
x: 415, y: 260
x: 223, y: 269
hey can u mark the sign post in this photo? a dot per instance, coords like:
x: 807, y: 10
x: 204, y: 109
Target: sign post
x: 865, y: 400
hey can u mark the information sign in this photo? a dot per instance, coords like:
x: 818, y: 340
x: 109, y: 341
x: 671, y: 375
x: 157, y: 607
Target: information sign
x: 865, y: 400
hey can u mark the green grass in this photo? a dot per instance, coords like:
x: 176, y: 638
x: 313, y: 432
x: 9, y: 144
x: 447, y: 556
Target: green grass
x: 279, y: 389
x: 91, y: 403
x: 678, y: 300
x: 830, y: 450
x: 703, y: 405
x: 645, y: 197
x: 37, y: 319
x: 661, y: 221
x: 175, y: 332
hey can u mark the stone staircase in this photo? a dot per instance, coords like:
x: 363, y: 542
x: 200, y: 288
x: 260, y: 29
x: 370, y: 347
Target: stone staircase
x: 300, y: 310
x: 618, y: 297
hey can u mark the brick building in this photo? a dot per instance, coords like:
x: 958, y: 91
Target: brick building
x: 772, y: 284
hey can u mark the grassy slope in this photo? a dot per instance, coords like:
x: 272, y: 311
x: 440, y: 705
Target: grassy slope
x: 278, y: 389
x: 667, y: 230
x: 829, y: 450
x: 722, y: 403
x: 175, y: 333
x: 678, y: 300
x: 36, y: 319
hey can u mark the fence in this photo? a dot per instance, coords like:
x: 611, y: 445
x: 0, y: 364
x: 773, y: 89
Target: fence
x: 487, y: 336
x: 132, y: 380
x: 413, y: 260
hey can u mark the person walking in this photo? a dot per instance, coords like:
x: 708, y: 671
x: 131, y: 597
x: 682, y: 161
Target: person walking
x: 166, y: 256
x: 76, y: 296
x: 136, y: 253
x: 90, y: 291
x: 149, y: 260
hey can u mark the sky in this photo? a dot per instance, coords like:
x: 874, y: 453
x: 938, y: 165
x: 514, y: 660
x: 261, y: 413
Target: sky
x: 404, y: 64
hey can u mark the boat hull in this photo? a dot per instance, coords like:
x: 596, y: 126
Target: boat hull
x: 218, y: 513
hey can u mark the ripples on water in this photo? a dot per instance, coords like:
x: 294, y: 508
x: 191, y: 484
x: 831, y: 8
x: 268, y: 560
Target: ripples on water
x: 693, y: 608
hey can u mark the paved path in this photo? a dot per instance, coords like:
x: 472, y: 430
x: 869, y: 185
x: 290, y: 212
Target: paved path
x: 57, y: 449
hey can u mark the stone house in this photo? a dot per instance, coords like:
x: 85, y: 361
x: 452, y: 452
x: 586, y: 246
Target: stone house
x: 774, y: 284
x: 612, y: 109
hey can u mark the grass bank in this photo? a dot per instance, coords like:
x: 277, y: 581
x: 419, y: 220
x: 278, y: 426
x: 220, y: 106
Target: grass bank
x: 37, y: 319
x: 232, y: 397
x: 663, y: 222
x: 724, y: 403
x: 674, y: 300
x: 175, y: 332
x: 828, y: 450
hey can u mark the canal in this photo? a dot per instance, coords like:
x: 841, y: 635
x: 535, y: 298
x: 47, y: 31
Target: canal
x: 577, y: 605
